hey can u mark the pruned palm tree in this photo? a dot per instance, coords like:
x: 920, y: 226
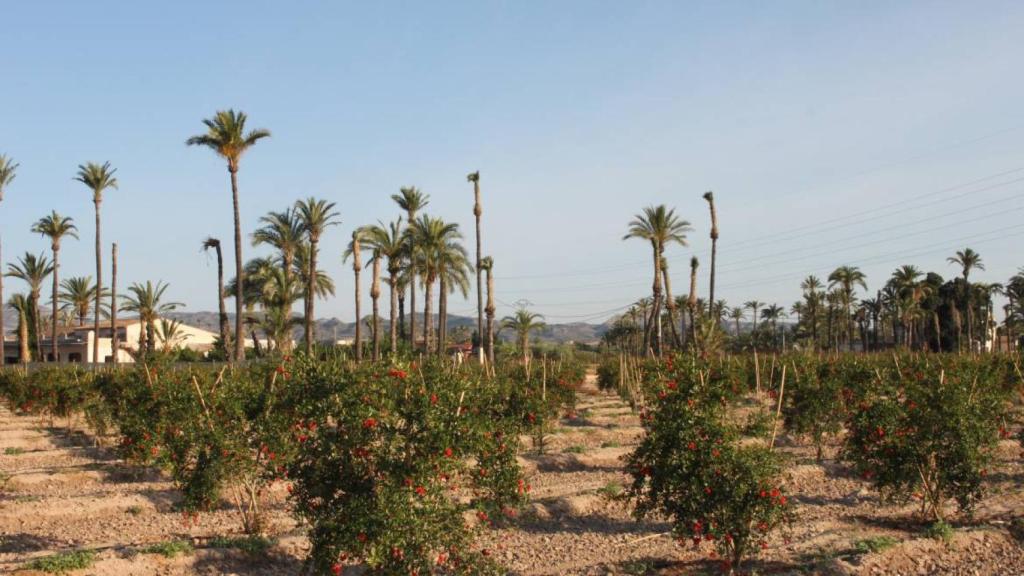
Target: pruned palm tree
x: 355, y: 247
x: 477, y: 212
x: 660, y: 226
x: 145, y: 300
x: 8, y: 170
x: 386, y: 241
x: 22, y: 306
x: 212, y: 243
x: 846, y: 279
x: 56, y: 228
x: 523, y: 322
x: 691, y: 300
x: 77, y: 294
x: 710, y: 197
x: 412, y: 201
x: 97, y: 177
x: 33, y: 270
x: 315, y: 216
x: 487, y: 263
x: 227, y: 137
x: 968, y: 260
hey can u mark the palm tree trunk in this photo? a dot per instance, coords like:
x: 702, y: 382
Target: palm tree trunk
x: 225, y: 335
x: 477, y: 211
x: 401, y: 315
x: 393, y: 319
x: 23, y: 351
x: 357, y: 267
x: 99, y: 288
x: 656, y: 304
x: 490, y: 316
x: 375, y: 296
x: 428, y: 291
x: 3, y: 327
x: 442, y: 314
x: 670, y: 305
x: 310, y: 311
x: 113, y: 303
x: 54, y: 349
x: 412, y: 284
x: 239, y: 272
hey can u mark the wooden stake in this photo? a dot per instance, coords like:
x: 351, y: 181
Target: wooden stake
x: 778, y: 408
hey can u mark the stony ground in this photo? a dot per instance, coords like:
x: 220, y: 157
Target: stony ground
x: 60, y: 493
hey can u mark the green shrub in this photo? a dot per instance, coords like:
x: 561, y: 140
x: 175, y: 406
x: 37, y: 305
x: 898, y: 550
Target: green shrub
x: 169, y: 549
x: 63, y: 562
x: 254, y: 545
x: 874, y: 544
x: 940, y: 530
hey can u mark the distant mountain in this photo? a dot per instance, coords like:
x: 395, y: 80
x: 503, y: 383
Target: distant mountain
x: 333, y: 328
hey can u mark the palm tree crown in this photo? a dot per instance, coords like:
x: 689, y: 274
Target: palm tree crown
x: 227, y: 137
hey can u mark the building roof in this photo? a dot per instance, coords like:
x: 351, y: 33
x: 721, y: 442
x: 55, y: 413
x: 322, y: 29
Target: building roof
x: 88, y: 326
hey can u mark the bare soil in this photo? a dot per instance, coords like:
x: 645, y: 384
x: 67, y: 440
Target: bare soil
x: 59, y: 492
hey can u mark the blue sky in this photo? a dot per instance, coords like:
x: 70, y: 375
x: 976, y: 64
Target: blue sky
x: 868, y: 133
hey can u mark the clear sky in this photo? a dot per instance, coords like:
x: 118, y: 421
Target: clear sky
x: 864, y: 133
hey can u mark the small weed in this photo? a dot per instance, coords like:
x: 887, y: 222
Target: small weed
x: 13, y: 451
x: 759, y: 424
x: 247, y: 544
x: 577, y: 449
x: 169, y: 549
x: 26, y: 498
x: 63, y: 562
x: 875, y: 544
x: 611, y: 444
x: 940, y: 531
x: 611, y: 490
x: 134, y: 510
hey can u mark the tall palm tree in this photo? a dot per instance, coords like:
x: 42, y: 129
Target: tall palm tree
x: 846, y: 279
x: 33, y: 270
x: 386, y: 241
x: 692, y: 299
x: 97, y: 177
x: 660, y: 226
x: 227, y: 137
x: 477, y: 212
x: 524, y: 322
x: 145, y: 300
x: 710, y: 197
x: 375, y: 258
x: 284, y: 232
x: 78, y: 294
x: 772, y: 313
x: 412, y: 201
x: 452, y: 268
x: 22, y: 306
x: 968, y: 260
x: 753, y: 306
x: 8, y: 168
x: 353, y: 251
x: 670, y: 304
x: 56, y: 228
x: 487, y: 263
x: 736, y: 314
x: 212, y: 243
x: 114, y: 344
x: 435, y: 240
x: 316, y: 216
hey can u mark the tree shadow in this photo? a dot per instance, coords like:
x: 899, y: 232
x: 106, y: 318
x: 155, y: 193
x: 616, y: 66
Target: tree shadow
x: 593, y: 524
x: 230, y: 561
x: 22, y: 542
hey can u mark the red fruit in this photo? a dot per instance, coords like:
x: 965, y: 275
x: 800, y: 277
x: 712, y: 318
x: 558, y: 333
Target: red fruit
x: 448, y: 452
x: 336, y: 569
x: 421, y: 490
x: 707, y: 490
x: 369, y: 423
x: 782, y: 500
x: 433, y: 399
x: 361, y: 537
x: 692, y: 445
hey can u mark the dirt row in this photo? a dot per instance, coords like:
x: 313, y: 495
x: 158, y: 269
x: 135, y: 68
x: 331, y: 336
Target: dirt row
x: 60, y: 493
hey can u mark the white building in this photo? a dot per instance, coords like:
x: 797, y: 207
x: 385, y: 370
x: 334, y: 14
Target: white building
x: 75, y: 343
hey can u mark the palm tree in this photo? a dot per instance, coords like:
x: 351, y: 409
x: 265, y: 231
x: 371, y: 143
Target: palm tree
x: 660, y: 226
x: 436, y: 243
x: 212, y: 243
x: 524, y: 322
x: 412, y: 201
x: 171, y: 334
x: 97, y: 177
x: 487, y: 263
x: 315, y: 216
x: 227, y: 137
x: 812, y: 287
x: 753, y: 305
x: 353, y: 250
x: 21, y: 304
x: 692, y: 299
x: 846, y: 279
x: 710, y: 197
x: 8, y: 168
x: 670, y: 304
x: 387, y: 241
x: 145, y: 300
x: 968, y: 260
x: 477, y: 211
x: 452, y: 267
x: 284, y: 232
x: 114, y: 344
x: 33, y: 270
x: 55, y: 227
x: 736, y: 314
x: 77, y: 296
x: 772, y: 313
